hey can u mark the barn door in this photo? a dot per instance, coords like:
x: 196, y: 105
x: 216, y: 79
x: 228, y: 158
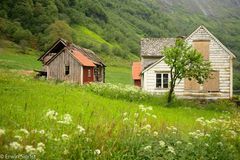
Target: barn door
x: 202, y: 46
x: 212, y: 84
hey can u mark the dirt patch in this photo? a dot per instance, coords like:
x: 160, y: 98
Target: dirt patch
x: 27, y: 72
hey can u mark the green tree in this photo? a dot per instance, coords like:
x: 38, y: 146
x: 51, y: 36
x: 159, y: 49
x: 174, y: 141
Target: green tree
x: 185, y: 62
x: 58, y: 29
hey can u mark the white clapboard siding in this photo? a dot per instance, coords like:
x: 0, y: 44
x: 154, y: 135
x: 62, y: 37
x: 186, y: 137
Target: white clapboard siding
x: 220, y: 60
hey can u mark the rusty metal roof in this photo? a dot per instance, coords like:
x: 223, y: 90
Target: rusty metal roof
x: 85, y: 61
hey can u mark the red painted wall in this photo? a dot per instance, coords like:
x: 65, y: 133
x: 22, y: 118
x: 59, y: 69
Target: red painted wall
x: 86, y: 78
x: 137, y: 83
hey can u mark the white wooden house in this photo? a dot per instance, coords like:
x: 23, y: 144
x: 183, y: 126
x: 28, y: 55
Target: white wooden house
x: 155, y: 73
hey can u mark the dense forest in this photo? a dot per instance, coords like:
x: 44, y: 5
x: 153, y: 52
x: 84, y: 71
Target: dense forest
x: 115, y: 27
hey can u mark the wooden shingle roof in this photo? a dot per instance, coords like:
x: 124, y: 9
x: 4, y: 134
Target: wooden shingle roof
x: 154, y: 46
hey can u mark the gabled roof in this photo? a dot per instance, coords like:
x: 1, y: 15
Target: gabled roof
x: 154, y: 46
x: 86, y: 52
x: 152, y: 65
x: 136, y: 70
x: 60, y: 40
x: 212, y: 36
x: 78, y: 56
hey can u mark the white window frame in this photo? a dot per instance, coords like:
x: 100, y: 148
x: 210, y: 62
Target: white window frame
x: 162, y: 73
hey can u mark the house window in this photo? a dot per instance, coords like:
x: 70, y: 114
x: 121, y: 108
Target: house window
x: 67, y: 70
x: 162, y: 80
x: 89, y: 73
x: 159, y: 80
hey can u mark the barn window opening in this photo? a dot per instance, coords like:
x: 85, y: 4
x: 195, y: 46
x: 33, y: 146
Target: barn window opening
x: 162, y: 80
x: 89, y: 73
x: 67, y: 70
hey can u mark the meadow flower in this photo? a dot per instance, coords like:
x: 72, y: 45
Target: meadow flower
x: 41, y: 131
x: 24, y: 131
x: 30, y: 149
x: 147, y: 127
x: 81, y: 130
x: 18, y: 137
x: 97, y: 152
x: 125, y: 119
x: 40, y: 147
x: 34, y: 131
x: 171, y: 149
x: 155, y: 133
x: 65, y: 137
x: 15, y: 145
x: 51, y: 114
x: 2, y: 132
x: 147, y: 148
x: 67, y: 119
x: 179, y: 142
x: 125, y: 114
x: 162, y: 144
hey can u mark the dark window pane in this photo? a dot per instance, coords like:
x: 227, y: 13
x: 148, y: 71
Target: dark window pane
x: 165, y: 80
x: 66, y: 70
x: 158, y: 80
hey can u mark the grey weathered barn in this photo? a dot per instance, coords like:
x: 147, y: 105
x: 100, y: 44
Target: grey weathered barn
x: 69, y: 62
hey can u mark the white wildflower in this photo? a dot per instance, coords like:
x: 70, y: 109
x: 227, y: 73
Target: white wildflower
x: 81, y: 130
x: 147, y: 127
x: 125, y: 119
x: 97, y: 152
x: 67, y: 119
x: 40, y: 144
x: 206, y: 144
x: 56, y: 139
x: 24, y: 131
x: 2, y: 132
x: 189, y: 144
x: 18, y: 137
x: 179, y: 142
x: 40, y: 149
x: 30, y: 149
x: 162, y: 144
x: 155, y: 133
x: 51, y: 114
x: 171, y: 149
x: 147, y: 148
x: 125, y: 114
x: 41, y: 132
x: 15, y: 145
x: 65, y: 137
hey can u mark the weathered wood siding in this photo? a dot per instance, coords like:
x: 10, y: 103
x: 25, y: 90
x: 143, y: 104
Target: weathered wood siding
x: 220, y: 60
x: 56, y: 69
